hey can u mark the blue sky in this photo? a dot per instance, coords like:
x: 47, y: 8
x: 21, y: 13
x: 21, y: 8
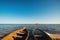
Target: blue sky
x: 29, y: 11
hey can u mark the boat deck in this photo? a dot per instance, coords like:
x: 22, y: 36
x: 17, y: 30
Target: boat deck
x: 55, y: 36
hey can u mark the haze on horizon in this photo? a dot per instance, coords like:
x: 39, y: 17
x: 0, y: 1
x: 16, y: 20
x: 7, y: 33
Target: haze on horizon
x: 29, y: 11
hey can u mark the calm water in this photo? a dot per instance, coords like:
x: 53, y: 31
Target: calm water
x: 8, y: 28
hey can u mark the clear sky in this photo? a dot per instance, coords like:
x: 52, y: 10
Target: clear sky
x: 30, y: 11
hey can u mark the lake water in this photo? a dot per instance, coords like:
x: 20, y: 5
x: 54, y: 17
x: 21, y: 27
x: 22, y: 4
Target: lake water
x: 8, y: 28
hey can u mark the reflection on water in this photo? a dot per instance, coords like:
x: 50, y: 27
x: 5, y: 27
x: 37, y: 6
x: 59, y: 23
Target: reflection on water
x: 8, y: 28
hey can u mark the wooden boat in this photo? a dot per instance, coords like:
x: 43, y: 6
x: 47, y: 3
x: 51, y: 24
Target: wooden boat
x: 21, y: 34
x: 40, y: 35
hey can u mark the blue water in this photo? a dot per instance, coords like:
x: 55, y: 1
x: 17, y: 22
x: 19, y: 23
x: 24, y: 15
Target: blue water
x: 8, y: 28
